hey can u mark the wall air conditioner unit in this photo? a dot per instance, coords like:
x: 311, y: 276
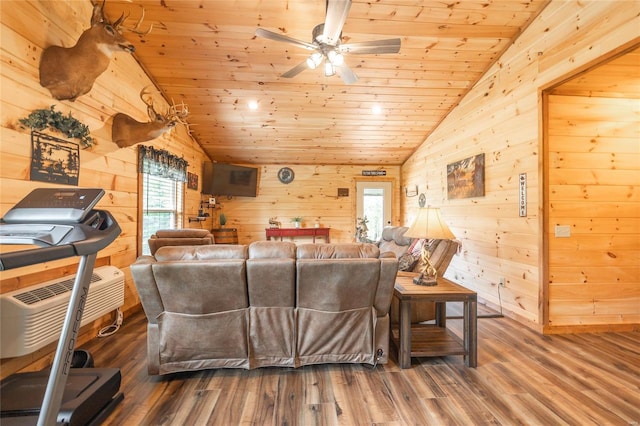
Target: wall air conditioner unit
x: 32, y: 317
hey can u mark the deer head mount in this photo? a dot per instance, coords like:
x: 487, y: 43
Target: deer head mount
x: 70, y: 72
x: 127, y: 131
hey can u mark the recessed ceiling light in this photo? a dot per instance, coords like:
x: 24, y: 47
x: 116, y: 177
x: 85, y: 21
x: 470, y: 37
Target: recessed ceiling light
x: 376, y: 109
x: 253, y: 105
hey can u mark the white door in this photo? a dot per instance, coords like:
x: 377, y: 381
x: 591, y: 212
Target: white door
x: 374, y: 204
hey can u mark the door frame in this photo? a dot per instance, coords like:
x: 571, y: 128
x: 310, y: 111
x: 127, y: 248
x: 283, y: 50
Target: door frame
x: 395, y: 208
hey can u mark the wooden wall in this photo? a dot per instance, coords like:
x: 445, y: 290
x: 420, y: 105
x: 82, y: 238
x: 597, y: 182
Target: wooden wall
x: 593, y: 153
x: 313, y: 194
x: 28, y: 27
x: 502, y: 118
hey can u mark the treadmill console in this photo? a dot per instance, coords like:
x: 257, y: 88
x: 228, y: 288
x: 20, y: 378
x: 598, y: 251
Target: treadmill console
x: 54, y: 205
x: 61, y: 222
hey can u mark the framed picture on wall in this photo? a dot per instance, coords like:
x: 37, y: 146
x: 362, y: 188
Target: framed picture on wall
x: 54, y: 160
x: 465, y: 178
x: 192, y: 181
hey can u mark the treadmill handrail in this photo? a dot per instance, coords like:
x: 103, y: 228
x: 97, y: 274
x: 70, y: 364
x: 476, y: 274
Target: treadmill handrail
x: 96, y: 233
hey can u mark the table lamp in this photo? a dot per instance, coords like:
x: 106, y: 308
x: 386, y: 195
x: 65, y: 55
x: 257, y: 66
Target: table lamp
x: 428, y: 225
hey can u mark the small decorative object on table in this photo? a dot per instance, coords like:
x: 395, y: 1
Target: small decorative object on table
x: 223, y: 220
x: 361, y: 230
x: 296, y: 221
x: 273, y: 223
x: 429, y: 225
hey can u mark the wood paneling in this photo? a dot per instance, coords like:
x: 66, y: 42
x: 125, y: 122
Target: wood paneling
x: 502, y: 117
x: 26, y: 28
x: 207, y: 53
x: 499, y: 115
x: 594, y: 277
x: 313, y: 195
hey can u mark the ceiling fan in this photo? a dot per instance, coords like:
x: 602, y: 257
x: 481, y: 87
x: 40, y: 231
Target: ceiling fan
x: 326, y: 46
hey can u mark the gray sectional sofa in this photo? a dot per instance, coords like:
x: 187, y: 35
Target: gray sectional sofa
x: 270, y: 303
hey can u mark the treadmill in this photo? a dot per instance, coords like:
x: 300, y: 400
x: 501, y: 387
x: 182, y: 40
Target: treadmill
x: 61, y: 223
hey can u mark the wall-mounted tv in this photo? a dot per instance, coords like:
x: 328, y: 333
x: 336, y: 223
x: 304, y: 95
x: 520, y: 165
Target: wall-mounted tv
x: 229, y: 179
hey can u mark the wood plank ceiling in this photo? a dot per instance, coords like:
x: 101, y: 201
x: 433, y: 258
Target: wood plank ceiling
x: 205, y: 53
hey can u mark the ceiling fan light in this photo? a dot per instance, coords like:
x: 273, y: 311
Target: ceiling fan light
x: 312, y: 65
x: 328, y: 69
x: 336, y: 58
x: 314, y: 60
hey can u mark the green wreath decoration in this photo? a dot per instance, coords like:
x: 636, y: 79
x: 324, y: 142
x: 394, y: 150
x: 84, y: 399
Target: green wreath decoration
x: 41, y: 119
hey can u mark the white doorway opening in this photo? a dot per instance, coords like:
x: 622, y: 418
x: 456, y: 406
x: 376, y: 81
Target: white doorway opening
x: 374, y: 203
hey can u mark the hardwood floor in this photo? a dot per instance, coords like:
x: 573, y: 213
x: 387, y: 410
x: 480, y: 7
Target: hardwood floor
x: 522, y: 378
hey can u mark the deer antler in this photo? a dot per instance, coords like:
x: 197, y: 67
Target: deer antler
x: 120, y: 22
x: 179, y: 116
x: 175, y: 113
x: 147, y: 98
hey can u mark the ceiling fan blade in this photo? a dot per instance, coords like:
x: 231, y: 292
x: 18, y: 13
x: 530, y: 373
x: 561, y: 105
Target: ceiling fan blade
x: 337, y: 11
x: 346, y: 74
x: 296, y: 70
x: 390, y: 45
x: 261, y: 32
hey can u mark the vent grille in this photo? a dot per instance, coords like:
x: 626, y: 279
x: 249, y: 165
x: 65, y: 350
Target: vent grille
x: 31, y: 318
x: 52, y: 290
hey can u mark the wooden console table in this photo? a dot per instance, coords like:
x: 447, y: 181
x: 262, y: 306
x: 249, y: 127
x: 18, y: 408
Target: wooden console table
x: 298, y: 232
x: 429, y: 339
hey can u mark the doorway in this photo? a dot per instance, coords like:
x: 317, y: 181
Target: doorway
x: 373, y: 202
x: 590, y: 233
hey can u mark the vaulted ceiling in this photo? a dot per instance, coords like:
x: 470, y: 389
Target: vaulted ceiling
x: 206, y: 53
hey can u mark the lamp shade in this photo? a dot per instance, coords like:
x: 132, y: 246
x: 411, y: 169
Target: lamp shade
x: 429, y: 224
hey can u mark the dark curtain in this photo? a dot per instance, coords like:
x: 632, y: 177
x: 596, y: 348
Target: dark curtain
x: 158, y: 162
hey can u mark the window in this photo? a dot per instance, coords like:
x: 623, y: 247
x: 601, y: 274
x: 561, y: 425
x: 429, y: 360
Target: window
x: 163, y: 176
x: 161, y: 206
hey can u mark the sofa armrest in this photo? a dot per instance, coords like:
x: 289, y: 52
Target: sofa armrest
x: 147, y: 288
x: 386, y: 282
x: 388, y: 255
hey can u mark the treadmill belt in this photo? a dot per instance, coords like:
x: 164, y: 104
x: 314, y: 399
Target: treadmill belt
x: 87, y: 392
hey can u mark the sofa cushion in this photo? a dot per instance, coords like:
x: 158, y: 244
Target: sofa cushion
x: 338, y: 251
x: 407, y: 262
x: 189, y: 288
x: 393, y: 240
x: 271, y: 274
x: 206, y: 252
x: 271, y: 279
x: 272, y: 250
x: 330, y: 285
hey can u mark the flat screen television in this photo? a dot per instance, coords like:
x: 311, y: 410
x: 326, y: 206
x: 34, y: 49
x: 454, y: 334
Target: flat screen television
x: 229, y: 179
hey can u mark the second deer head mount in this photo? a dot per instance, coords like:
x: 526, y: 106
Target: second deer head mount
x: 127, y: 131
x: 71, y: 72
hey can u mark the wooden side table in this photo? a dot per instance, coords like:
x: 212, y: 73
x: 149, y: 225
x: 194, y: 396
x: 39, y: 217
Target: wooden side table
x: 225, y: 235
x: 429, y: 339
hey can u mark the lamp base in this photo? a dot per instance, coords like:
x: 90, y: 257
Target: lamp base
x: 425, y: 281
